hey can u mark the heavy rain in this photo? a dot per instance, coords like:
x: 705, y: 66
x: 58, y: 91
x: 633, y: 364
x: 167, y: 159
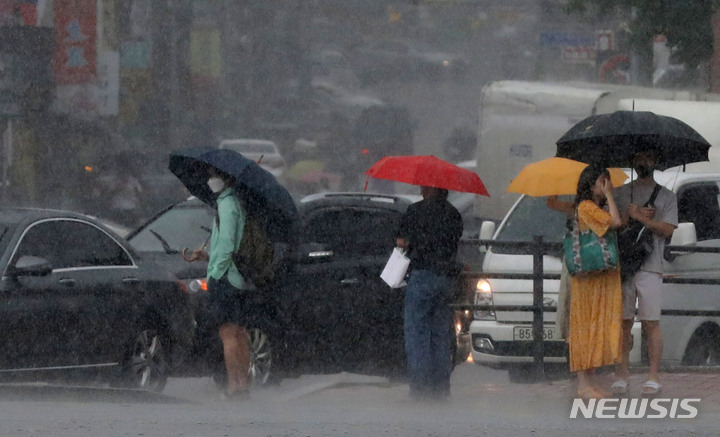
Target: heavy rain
x: 116, y: 114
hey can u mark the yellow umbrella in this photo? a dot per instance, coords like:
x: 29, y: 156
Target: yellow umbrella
x: 555, y: 176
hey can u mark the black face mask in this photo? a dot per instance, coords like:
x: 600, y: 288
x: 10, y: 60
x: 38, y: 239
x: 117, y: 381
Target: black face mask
x: 644, y: 171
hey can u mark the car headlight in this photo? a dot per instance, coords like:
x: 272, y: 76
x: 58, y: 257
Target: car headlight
x: 196, y: 285
x: 483, y: 296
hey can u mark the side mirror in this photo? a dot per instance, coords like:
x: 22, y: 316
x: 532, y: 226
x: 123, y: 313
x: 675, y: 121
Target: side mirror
x: 31, y: 266
x: 684, y: 235
x: 487, y: 230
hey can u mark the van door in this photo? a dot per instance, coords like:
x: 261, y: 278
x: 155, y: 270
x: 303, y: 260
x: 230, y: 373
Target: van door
x: 699, y: 203
x: 686, y: 339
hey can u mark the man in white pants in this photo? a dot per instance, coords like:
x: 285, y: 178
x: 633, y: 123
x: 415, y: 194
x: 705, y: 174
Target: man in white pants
x: 646, y: 285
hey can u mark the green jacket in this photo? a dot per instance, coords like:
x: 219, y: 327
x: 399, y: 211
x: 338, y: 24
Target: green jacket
x: 226, y: 238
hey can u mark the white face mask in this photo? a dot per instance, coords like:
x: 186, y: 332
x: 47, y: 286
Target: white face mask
x: 216, y: 184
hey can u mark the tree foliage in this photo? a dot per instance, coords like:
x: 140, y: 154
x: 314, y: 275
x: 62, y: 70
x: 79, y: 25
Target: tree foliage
x: 686, y: 24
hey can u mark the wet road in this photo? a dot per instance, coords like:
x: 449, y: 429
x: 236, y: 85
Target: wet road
x: 484, y: 402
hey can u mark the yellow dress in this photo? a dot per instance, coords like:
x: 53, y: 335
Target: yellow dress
x: 595, y: 305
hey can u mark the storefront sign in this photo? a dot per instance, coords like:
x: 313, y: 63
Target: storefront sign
x: 76, y: 35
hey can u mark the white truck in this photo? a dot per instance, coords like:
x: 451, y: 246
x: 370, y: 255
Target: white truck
x: 501, y: 339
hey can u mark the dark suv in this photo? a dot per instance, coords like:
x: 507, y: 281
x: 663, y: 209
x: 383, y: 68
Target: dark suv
x: 330, y: 312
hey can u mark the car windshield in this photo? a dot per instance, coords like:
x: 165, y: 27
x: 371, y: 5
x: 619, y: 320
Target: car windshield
x: 532, y: 217
x: 180, y: 227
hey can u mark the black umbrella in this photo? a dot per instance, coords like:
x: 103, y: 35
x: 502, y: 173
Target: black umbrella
x: 266, y: 200
x: 613, y: 139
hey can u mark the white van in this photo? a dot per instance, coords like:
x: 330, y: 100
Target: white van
x: 500, y: 339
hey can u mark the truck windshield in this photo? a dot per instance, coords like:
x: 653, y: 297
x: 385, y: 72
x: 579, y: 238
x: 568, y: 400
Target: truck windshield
x: 532, y: 217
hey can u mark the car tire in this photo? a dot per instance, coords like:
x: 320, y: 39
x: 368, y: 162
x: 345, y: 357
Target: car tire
x: 146, y: 365
x: 703, y: 348
x: 261, y: 372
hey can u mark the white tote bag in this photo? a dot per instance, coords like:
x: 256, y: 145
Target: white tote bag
x: 394, y: 272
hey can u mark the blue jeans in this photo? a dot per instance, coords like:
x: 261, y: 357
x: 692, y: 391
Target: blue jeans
x: 428, y: 337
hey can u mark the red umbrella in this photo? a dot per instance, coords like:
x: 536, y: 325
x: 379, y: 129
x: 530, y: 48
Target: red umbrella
x: 427, y: 171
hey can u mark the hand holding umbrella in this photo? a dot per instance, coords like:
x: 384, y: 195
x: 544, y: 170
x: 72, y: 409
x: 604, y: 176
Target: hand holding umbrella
x: 197, y: 254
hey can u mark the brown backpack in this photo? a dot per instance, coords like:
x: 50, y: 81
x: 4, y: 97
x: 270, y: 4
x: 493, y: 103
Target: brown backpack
x: 254, y: 257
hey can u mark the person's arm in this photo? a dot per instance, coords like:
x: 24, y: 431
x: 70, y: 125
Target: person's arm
x: 232, y: 223
x: 646, y: 216
x: 624, y: 216
x: 566, y: 208
x: 615, y: 219
x: 402, y: 237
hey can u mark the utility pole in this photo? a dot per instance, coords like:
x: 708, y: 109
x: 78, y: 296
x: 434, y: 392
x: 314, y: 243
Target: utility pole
x: 715, y: 60
x: 236, y: 40
x: 170, y: 70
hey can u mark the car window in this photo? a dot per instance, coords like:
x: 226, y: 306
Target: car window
x: 71, y: 243
x: 181, y: 226
x: 353, y: 232
x: 532, y: 217
x: 699, y: 204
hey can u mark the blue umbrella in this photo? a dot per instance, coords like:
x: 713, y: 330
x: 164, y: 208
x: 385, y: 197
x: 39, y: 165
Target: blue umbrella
x: 267, y: 200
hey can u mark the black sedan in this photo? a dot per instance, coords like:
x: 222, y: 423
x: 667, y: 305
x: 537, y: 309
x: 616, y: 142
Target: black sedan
x: 75, y: 299
x: 330, y: 310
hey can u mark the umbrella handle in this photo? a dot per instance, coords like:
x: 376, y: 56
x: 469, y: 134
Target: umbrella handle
x: 198, y: 254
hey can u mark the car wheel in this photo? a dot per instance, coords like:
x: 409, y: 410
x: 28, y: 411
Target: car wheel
x: 147, y: 365
x: 260, y: 357
x: 261, y: 371
x: 703, y: 348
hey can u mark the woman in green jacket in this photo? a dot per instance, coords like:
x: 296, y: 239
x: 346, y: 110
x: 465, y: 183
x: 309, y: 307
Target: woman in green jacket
x: 227, y: 302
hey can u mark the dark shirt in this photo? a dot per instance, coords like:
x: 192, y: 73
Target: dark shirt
x: 433, y: 228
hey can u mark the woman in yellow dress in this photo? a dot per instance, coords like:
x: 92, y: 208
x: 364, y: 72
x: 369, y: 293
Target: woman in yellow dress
x: 596, y: 298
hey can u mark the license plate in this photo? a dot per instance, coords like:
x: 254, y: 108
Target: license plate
x: 524, y: 333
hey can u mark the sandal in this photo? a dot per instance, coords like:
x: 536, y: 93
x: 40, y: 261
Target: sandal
x: 619, y: 387
x: 650, y: 388
x: 589, y: 393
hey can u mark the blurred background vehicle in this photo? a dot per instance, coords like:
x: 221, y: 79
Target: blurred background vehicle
x: 398, y: 59
x: 461, y: 145
x: 75, y: 300
x: 264, y: 152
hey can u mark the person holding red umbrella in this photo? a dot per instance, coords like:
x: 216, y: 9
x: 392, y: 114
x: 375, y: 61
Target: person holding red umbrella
x: 430, y: 231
